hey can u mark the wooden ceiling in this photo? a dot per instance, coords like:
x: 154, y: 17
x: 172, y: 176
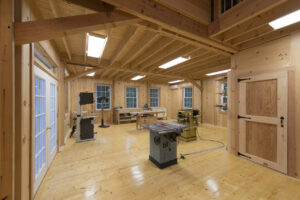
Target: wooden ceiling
x: 138, y: 47
x: 255, y: 30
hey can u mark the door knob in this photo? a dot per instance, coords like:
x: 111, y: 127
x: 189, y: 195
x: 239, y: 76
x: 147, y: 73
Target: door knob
x: 48, y: 128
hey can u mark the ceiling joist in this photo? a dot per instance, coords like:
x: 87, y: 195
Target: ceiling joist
x: 31, y: 31
x: 240, y: 13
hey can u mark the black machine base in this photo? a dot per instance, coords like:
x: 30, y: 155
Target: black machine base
x: 163, y: 165
x: 102, y: 124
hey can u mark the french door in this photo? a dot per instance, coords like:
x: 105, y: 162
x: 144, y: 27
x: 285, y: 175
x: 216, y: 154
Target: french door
x: 45, y: 123
x: 263, y: 119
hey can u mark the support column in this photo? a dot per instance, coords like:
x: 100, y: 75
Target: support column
x: 61, y: 105
x: 7, y: 100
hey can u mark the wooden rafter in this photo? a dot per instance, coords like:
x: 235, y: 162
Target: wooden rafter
x: 182, y: 51
x: 122, y: 45
x: 146, y: 40
x: 260, y: 20
x: 184, y: 7
x: 94, y: 5
x: 31, y: 31
x: 183, y: 38
x: 169, y: 19
x: 56, y: 13
x: 163, y: 53
x: 160, y: 44
x: 240, y: 13
x: 115, y: 67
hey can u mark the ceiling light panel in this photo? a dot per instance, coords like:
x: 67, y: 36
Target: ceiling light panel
x: 174, y: 62
x: 138, y: 77
x: 286, y: 20
x: 218, y: 72
x: 177, y: 81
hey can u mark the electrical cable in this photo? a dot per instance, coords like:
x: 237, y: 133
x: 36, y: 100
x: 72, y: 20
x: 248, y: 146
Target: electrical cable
x: 182, y: 156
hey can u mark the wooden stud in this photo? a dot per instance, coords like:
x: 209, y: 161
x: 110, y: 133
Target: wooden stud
x: 7, y: 100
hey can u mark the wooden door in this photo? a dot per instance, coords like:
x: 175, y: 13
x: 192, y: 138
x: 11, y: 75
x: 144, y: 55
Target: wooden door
x: 263, y: 119
x: 44, y: 124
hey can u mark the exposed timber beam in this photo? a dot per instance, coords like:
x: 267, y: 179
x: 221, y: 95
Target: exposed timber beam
x: 194, y: 82
x: 56, y: 13
x: 240, y: 13
x: 175, y: 36
x: 115, y: 67
x: 169, y: 19
x: 184, y: 7
x: 94, y: 5
x: 32, y: 31
x: 260, y: 20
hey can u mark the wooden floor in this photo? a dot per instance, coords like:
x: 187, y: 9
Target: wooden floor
x: 116, y: 166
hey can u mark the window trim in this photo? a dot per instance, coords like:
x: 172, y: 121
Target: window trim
x: 99, y: 84
x: 184, y: 97
x: 158, y: 103
x: 137, y: 97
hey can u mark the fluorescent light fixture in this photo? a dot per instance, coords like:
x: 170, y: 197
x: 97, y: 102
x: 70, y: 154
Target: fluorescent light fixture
x: 91, y: 74
x: 177, y: 81
x: 137, y: 77
x: 173, y: 62
x: 96, y: 46
x: 218, y: 72
x: 286, y: 20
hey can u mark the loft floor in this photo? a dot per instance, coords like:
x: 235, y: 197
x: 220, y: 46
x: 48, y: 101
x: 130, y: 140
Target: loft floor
x: 116, y: 166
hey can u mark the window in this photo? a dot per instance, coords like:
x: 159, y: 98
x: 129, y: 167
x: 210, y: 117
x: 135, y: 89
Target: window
x: 188, y: 98
x: 131, y: 97
x: 154, y: 97
x: 103, y: 91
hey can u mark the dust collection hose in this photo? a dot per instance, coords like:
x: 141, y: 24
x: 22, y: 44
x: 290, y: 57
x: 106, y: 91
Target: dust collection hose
x: 182, y: 156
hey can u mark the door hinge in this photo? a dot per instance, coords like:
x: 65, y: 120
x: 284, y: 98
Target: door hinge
x: 243, y: 79
x: 243, y: 155
x: 243, y: 117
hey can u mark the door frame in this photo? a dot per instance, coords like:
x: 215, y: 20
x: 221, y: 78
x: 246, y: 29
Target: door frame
x: 241, y: 140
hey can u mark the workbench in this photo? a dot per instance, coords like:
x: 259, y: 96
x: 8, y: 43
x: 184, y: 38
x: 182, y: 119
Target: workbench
x: 146, y: 117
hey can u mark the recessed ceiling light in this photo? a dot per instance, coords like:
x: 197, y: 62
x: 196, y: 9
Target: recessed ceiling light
x: 218, y: 72
x: 91, y: 74
x: 96, y: 46
x: 286, y: 20
x: 174, y: 62
x: 137, y: 77
x: 177, y: 81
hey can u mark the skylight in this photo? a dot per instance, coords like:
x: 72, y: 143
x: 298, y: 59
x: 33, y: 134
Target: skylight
x: 177, y: 81
x: 173, y: 62
x: 137, y: 77
x: 218, y: 72
x: 286, y: 20
x: 91, y: 74
x: 96, y: 46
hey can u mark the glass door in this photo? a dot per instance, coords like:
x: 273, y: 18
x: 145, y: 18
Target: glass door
x: 45, y: 124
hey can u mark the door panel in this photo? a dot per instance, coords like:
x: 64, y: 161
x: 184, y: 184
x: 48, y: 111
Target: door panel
x: 40, y: 129
x: 261, y: 140
x: 45, y: 124
x: 261, y: 98
x: 262, y: 133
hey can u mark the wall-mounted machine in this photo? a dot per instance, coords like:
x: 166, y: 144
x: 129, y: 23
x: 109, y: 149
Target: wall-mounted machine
x: 85, y: 123
x: 189, y: 118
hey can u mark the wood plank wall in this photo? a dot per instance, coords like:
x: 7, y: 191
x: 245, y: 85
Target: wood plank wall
x: 211, y: 114
x: 117, y: 95
x: 175, y: 97
x: 278, y: 55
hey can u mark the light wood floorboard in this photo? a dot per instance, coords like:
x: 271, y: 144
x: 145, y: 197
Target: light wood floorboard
x: 116, y: 166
